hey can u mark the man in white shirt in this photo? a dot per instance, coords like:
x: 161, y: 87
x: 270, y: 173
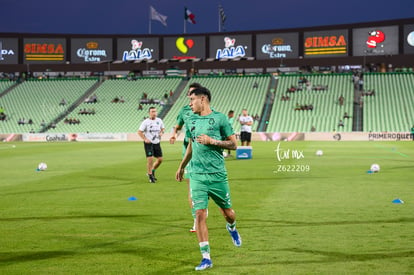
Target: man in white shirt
x: 246, y: 122
x: 150, y: 131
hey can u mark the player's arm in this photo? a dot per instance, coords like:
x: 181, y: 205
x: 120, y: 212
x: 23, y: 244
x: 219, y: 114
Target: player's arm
x: 162, y: 131
x: 173, y: 137
x: 179, y: 175
x: 141, y: 134
x: 249, y: 123
x: 230, y: 143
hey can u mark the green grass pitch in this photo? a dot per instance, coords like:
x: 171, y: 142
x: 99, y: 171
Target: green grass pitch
x: 75, y: 218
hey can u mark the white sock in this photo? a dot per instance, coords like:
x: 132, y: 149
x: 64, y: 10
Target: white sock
x: 205, y: 253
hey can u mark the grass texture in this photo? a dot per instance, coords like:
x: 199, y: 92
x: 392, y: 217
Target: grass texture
x: 297, y: 213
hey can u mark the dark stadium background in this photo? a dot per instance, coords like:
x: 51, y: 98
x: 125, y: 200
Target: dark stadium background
x: 131, y: 16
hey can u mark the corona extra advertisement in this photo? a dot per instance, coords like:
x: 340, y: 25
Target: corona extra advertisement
x: 91, y: 50
x: 277, y: 45
x: 327, y: 43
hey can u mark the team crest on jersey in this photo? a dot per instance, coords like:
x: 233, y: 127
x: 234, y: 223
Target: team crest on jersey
x: 211, y: 121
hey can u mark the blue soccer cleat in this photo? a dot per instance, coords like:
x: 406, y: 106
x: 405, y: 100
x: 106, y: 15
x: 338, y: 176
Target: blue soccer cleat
x: 205, y: 263
x: 235, y: 236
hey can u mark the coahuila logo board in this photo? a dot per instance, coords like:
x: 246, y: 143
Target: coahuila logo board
x: 137, y: 52
x: 230, y: 51
x: 184, y: 45
x: 91, y: 53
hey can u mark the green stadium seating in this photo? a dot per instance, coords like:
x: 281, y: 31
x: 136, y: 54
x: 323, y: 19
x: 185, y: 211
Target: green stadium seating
x: 391, y: 109
x: 119, y: 117
x: 228, y: 93
x: 326, y: 113
x: 39, y: 100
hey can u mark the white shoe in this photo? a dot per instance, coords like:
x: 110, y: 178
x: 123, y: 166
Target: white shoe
x: 193, y: 229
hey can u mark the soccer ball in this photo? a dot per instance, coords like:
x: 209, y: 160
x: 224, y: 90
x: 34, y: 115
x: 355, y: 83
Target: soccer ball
x: 375, y: 168
x: 42, y: 166
x: 225, y: 154
x: 319, y: 153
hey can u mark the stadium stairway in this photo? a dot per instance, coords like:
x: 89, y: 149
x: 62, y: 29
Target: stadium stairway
x: 358, y: 117
x: 267, y: 107
x: 38, y: 100
x: 173, y: 99
x: 125, y: 117
x: 7, y: 86
x: 72, y: 107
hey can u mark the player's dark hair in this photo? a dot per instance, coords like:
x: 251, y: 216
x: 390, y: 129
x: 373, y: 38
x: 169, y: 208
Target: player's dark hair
x: 195, y: 85
x: 150, y: 108
x: 202, y: 91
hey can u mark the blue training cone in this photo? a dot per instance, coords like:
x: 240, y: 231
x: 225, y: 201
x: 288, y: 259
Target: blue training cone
x: 397, y: 201
x: 132, y: 198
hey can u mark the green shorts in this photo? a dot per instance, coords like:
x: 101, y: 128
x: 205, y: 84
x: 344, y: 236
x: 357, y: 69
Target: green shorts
x: 205, y: 186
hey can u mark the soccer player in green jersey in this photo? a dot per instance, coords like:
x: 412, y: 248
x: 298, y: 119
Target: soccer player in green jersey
x: 183, y: 115
x: 209, y: 133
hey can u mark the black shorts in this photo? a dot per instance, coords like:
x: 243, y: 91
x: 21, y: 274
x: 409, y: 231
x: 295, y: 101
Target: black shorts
x: 152, y: 150
x: 245, y: 136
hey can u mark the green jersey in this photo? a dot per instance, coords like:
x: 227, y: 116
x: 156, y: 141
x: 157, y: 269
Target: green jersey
x: 208, y: 159
x: 182, y: 117
x: 231, y: 120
